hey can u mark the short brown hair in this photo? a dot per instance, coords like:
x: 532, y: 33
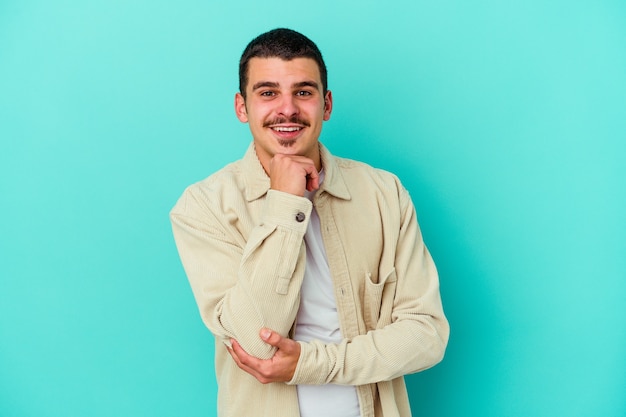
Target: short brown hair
x: 281, y: 43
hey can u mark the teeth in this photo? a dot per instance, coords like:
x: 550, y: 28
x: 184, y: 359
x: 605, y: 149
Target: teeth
x: 286, y: 129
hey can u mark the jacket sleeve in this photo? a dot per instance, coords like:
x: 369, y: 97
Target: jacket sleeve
x: 243, y: 283
x: 411, y: 333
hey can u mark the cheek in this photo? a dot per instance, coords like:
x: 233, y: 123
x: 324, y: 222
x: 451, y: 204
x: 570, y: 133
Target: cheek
x: 260, y: 113
x: 315, y: 111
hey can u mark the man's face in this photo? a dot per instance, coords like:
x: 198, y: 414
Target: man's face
x: 285, y: 107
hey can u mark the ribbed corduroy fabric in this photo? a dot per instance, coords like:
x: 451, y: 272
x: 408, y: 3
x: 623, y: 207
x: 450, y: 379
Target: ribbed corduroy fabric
x: 242, y: 248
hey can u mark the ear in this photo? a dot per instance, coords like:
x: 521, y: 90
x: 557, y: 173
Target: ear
x: 328, y: 105
x: 240, y: 108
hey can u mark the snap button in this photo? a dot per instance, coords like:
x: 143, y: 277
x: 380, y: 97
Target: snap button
x: 300, y: 217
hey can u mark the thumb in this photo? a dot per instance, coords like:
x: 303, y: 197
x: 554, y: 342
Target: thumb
x: 271, y: 337
x: 265, y: 333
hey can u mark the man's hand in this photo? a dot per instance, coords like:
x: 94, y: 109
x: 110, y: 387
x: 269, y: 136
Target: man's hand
x: 279, y: 368
x: 293, y: 174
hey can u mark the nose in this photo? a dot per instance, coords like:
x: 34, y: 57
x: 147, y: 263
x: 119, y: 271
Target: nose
x: 287, y: 106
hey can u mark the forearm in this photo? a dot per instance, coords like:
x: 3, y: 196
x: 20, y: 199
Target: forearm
x: 380, y: 355
x: 409, y: 329
x: 243, y: 283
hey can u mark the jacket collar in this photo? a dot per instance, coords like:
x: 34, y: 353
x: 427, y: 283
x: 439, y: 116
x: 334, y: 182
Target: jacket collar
x: 258, y: 183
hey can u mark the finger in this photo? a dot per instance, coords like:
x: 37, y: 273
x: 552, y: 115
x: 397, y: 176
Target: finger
x: 270, y: 337
x: 234, y: 356
x: 312, y: 178
x: 247, y: 360
x: 312, y: 182
x: 256, y: 367
x: 241, y: 354
x: 285, y: 361
x: 241, y: 358
x: 275, y: 339
x: 233, y: 353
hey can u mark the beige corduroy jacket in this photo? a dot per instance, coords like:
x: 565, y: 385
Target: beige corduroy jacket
x: 243, y: 251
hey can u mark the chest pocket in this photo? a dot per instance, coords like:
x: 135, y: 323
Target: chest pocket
x: 378, y: 302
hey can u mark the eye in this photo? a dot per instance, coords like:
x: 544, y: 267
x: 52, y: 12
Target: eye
x: 303, y: 93
x: 267, y: 93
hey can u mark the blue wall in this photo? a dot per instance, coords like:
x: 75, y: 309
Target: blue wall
x: 505, y: 119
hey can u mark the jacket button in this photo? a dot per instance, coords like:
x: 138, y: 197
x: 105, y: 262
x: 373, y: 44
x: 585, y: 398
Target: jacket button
x: 300, y: 217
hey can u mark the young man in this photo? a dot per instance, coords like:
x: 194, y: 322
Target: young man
x: 309, y: 269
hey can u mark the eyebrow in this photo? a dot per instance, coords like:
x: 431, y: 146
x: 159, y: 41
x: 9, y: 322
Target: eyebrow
x: 264, y: 84
x: 272, y: 84
x: 306, y: 84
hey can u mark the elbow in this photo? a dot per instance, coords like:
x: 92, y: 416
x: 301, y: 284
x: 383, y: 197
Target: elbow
x: 227, y: 331
x: 439, y: 351
x: 433, y: 346
x: 440, y: 343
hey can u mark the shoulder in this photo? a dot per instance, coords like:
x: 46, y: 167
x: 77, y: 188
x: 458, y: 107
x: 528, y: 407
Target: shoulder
x: 365, y: 183
x: 227, y: 176
x: 226, y: 182
x: 353, y: 170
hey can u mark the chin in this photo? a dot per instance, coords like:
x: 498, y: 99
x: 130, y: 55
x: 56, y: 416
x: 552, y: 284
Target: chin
x: 287, y: 143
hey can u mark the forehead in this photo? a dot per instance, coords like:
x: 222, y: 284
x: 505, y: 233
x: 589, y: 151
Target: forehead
x: 282, y: 72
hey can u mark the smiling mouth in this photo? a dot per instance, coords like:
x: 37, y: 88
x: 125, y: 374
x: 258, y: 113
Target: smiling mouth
x: 287, y: 129
x: 286, y: 125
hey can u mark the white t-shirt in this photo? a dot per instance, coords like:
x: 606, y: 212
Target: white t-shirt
x: 317, y: 319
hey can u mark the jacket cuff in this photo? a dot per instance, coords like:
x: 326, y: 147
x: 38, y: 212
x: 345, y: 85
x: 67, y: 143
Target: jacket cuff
x: 311, y: 368
x: 287, y: 210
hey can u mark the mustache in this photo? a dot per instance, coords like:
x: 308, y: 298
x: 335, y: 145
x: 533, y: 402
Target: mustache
x: 282, y: 120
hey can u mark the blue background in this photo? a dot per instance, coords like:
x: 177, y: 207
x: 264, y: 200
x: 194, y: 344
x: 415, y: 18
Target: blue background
x: 506, y: 120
